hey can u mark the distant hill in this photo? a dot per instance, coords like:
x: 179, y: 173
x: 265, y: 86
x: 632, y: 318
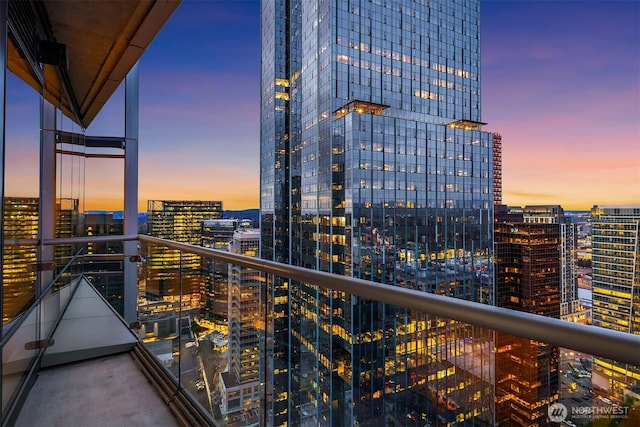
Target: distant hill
x: 252, y: 214
x: 577, y: 212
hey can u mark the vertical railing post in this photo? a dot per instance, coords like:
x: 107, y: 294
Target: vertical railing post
x: 180, y: 345
x: 4, y: 6
x: 47, y: 201
x: 131, y: 194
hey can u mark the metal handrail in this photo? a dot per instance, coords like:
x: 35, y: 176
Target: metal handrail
x: 90, y: 239
x: 71, y: 240
x: 620, y: 346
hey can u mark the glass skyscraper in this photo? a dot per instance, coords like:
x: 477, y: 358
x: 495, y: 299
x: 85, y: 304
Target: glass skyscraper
x: 615, y: 255
x: 374, y: 165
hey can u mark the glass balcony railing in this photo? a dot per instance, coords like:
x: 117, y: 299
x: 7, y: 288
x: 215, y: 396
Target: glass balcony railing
x: 254, y: 342
x: 27, y: 332
x: 257, y: 342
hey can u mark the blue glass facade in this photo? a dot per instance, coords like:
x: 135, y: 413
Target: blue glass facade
x: 374, y: 165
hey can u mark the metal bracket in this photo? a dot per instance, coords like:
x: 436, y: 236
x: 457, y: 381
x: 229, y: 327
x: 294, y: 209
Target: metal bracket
x: 135, y: 325
x: 35, y: 345
x: 53, y: 53
x: 41, y: 266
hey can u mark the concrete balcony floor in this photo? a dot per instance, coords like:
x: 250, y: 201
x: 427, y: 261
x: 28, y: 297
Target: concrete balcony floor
x: 89, y: 377
x: 105, y: 391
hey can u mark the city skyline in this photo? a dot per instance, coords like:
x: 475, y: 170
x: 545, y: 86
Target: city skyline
x: 385, y: 283
x: 559, y: 83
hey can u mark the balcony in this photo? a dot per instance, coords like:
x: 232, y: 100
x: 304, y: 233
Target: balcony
x: 101, y: 331
x: 69, y: 358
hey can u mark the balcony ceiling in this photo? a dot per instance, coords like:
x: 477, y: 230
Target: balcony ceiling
x: 104, y: 40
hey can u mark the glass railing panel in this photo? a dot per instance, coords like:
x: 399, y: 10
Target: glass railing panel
x: 21, y: 271
x: 57, y: 293
x: 19, y: 274
x: 159, y: 300
x: 64, y: 294
x: 543, y: 383
x: 16, y: 359
x: 105, y: 271
x: 53, y: 305
x: 20, y: 203
x: 183, y: 308
x: 171, y: 314
x: 68, y: 267
x: 274, y: 351
x: 26, y: 335
x: 598, y: 390
x: 369, y: 364
x: 195, y: 342
x: 345, y: 360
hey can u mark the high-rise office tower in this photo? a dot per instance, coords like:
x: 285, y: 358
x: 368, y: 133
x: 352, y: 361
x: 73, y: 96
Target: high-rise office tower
x: 554, y: 214
x: 497, y: 169
x: 181, y: 221
x: 217, y: 234
x: 615, y: 257
x: 534, y: 274
x: 241, y: 387
x: 374, y: 165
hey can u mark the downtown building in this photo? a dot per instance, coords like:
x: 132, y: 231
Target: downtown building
x: 615, y: 257
x: 175, y: 283
x: 240, y: 385
x: 181, y: 221
x: 374, y: 166
x: 20, y: 261
x: 20, y: 222
x: 535, y: 273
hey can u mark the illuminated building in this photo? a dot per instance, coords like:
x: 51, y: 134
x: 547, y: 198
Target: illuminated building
x: 241, y: 386
x: 615, y: 257
x: 554, y: 214
x: 21, y: 222
x: 18, y: 274
x: 374, y: 166
x: 181, y: 221
x: 535, y: 274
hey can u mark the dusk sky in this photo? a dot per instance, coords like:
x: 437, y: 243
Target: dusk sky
x: 560, y: 83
